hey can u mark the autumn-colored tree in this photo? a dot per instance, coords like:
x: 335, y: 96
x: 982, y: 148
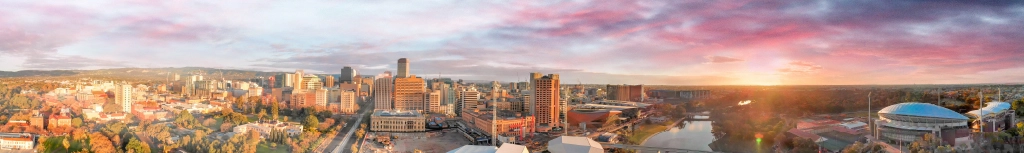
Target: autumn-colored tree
x: 274, y: 109
x: 100, y: 143
x: 310, y: 123
x: 136, y: 146
x: 186, y: 120
x: 226, y: 127
x: 66, y: 144
x: 263, y: 113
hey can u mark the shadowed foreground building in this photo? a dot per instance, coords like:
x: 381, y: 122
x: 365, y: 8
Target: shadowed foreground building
x: 397, y: 121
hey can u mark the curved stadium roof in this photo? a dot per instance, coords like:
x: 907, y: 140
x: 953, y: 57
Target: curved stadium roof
x: 921, y: 110
x: 992, y: 108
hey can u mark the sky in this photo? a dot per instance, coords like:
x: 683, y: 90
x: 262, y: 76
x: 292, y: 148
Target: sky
x: 828, y: 42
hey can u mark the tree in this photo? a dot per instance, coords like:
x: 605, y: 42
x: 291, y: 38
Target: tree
x: 859, y: 147
x: 100, y: 143
x: 274, y: 109
x: 186, y: 120
x: 136, y: 146
x: 76, y: 122
x: 804, y: 145
x: 226, y: 127
x: 263, y: 113
x: 65, y: 143
x: 311, y: 123
x: 209, y: 122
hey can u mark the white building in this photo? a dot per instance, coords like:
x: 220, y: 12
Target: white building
x: 16, y: 141
x: 264, y: 128
x: 348, y: 101
x: 571, y: 144
x: 191, y: 108
x: 123, y: 96
x: 505, y: 148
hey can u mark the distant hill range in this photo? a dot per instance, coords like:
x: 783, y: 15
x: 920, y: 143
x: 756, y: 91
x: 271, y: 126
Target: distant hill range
x: 150, y: 72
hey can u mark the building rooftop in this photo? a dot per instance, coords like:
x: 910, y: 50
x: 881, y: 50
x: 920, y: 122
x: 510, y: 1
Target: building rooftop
x: 921, y: 110
x: 512, y: 148
x: 571, y: 144
x: 474, y: 149
x: 393, y: 113
x: 991, y: 108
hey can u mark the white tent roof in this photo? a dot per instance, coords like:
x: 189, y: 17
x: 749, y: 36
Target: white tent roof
x: 474, y: 149
x: 512, y: 148
x: 570, y: 144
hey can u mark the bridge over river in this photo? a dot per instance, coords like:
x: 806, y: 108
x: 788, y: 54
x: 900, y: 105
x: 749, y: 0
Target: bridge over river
x: 653, y: 149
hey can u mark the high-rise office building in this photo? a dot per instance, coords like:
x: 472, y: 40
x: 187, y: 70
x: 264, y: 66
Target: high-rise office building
x: 448, y: 98
x: 123, y: 97
x: 470, y: 99
x: 311, y: 82
x: 383, y: 88
x: 297, y: 79
x: 284, y: 80
x: 403, y: 68
x: 321, y: 97
x: 347, y: 74
x: 329, y: 81
x: 545, y: 100
x: 434, y: 102
x: 409, y: 93
x: 348, y: 101
x: 625, y: 92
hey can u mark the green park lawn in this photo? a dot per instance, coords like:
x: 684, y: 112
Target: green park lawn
x: 56, y: 144
x: 646, y: 130
x: 265, y: 148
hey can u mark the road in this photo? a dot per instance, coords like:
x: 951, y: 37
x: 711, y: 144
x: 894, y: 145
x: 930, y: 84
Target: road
x: 351, y: 130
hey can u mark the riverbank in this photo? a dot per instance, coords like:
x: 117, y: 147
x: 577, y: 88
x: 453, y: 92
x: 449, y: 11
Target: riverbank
x: 646, y: 131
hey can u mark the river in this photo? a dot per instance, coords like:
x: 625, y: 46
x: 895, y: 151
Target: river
x: 695, y: 135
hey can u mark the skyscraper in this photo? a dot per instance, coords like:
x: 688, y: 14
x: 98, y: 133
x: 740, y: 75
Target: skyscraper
x: 383, y: 88
x: 329, y: 81
x: 545, y: 100
x: 403, y: 68
x: 123, y: 96
x: 284, y: 80
x: 297, y: 80
x: 409, y: 93
x: 311, y: 82
x: 347, y: 74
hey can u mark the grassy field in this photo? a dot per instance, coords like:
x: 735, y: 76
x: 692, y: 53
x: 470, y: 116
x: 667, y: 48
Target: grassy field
x: 265, y: 148
x: 646, y: 130
x: 55, y: 144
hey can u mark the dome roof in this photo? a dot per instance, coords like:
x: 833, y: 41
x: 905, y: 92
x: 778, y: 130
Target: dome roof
x: 571, y: 144
x: 921, y: 110
x: 991, y: 108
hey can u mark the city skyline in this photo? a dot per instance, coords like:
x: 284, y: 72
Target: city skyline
x: 621, y: 42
